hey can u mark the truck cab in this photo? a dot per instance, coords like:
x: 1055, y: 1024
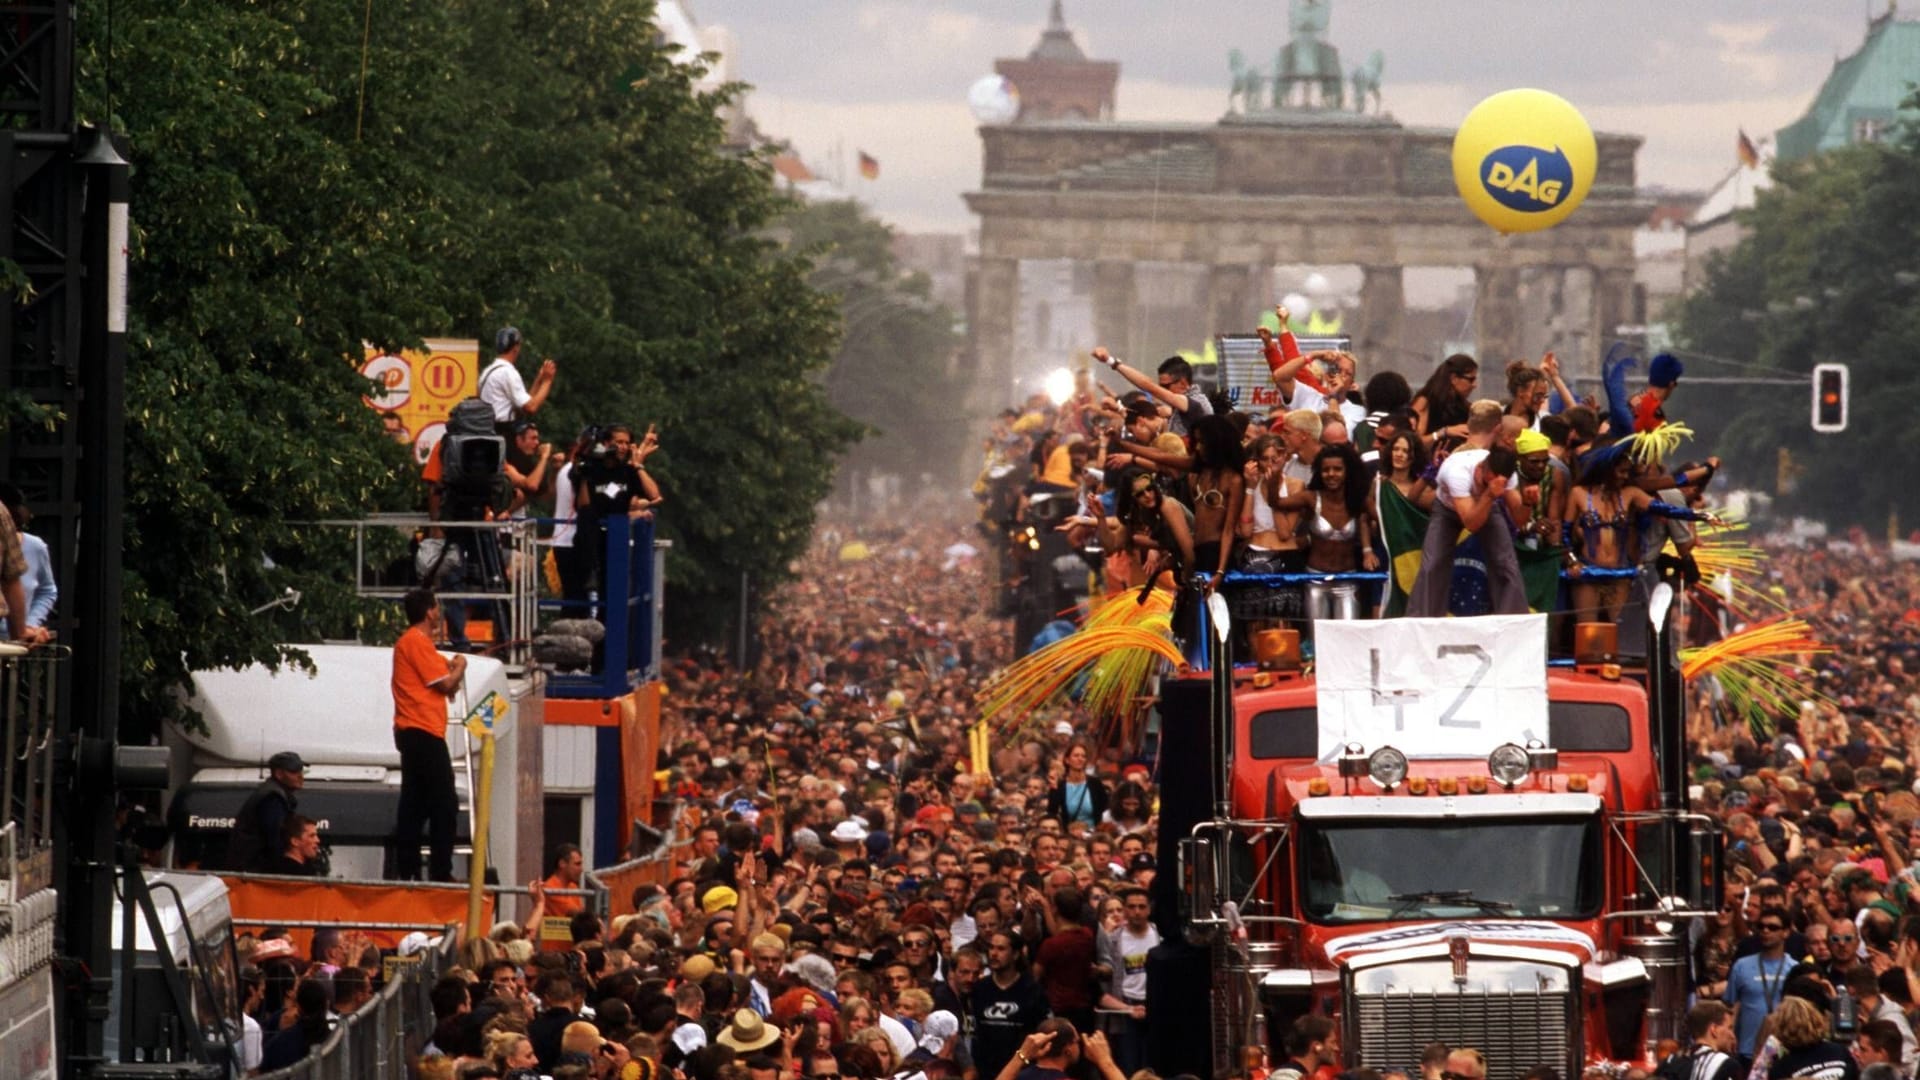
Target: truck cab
x: 1458, y: 843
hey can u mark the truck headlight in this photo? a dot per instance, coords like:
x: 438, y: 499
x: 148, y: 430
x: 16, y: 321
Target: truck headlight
x: 1509, y: 764
x: 1387, y: 767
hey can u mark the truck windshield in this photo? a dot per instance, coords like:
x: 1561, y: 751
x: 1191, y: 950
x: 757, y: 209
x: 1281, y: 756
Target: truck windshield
x: 1382, y: 871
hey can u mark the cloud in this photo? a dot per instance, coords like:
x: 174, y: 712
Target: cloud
x: 1690, y: 145
x: 1739, y: 50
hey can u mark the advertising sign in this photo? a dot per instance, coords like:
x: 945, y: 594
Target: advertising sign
x: 421, y: 386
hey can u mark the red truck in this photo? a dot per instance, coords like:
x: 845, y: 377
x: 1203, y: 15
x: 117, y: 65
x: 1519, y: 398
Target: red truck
x: 1424, y: 841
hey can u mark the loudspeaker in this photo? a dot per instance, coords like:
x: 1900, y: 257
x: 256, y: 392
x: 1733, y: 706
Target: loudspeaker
x: 1186, y: 768
x: 1179, y: 978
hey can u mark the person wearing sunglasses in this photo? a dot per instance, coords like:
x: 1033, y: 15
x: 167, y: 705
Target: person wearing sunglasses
x: 1757, y: 981
x: 1843, y: 947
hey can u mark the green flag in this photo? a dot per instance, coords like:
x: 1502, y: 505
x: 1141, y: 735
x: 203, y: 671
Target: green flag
x: 1403, y: 527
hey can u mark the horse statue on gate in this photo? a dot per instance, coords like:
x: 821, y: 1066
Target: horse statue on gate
x: 1308, y: 62
x: 1366, y: 82
x: 1243, y: 91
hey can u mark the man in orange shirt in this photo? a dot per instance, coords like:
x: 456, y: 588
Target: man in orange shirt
x: 423, y: 680
x: 567, y: 867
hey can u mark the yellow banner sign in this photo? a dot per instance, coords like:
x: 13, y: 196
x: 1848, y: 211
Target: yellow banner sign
x: 421, y: 387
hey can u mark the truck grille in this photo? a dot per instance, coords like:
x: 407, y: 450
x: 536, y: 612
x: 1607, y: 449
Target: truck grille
x: 1515, y: 1029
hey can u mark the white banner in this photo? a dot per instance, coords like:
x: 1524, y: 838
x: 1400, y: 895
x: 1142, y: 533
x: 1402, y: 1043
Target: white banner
x: 1431, y: 687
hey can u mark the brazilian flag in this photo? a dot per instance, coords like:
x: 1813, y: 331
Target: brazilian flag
x: 1403, y: 526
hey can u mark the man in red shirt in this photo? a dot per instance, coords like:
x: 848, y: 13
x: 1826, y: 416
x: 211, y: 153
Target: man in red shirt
x: 1065, y: 959
x: 423, y: 680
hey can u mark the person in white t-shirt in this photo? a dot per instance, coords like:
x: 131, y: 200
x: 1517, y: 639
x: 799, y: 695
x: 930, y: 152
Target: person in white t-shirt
x: 1124, y: 950
x: 253, y: 987
x: 502, y: 388
x: 1469, y: 488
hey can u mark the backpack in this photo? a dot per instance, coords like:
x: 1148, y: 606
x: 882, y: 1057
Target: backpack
x: 472, y: 456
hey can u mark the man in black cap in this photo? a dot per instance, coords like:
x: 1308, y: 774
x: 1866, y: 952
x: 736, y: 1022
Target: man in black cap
x: 256, y: 838
x: 1140, y: 870
x: 504, y: 391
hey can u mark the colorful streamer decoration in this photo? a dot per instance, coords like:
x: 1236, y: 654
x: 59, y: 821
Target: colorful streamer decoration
x: 1760, y: 668
x: 1105, y: 664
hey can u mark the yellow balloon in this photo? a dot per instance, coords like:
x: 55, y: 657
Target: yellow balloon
x: 1523, y: 160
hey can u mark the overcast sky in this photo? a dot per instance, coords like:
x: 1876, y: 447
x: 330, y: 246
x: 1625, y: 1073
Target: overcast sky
x: 890, y: 76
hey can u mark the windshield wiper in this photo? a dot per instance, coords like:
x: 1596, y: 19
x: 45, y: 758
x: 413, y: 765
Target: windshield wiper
x: 1460, y: 897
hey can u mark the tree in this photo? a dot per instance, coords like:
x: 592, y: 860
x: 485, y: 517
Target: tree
x: 1829, y: 271
x: 574, y: 183
x: 267, y: 246
x: 894, y: 369
x: 633, y: 245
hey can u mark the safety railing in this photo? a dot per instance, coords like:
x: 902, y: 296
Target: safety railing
x: 27, y: 694
x: 385, y: 909
x: 491, y: 563
x: 378, y: 1039
x: 27, y: 719
x: 501, y: 566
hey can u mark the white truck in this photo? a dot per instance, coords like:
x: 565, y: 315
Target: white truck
x: 339, y: 719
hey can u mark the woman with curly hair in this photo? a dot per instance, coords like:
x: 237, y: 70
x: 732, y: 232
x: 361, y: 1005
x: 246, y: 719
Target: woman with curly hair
x: 1527, y: 390
x: 1806, y: 1050
x: 1340, y: 526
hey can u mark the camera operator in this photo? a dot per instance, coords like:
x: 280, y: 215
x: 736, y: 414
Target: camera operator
x: 609, y: 477
x: 453, y: 559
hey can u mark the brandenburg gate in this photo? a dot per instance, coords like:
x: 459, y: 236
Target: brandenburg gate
x: 1284, y: 179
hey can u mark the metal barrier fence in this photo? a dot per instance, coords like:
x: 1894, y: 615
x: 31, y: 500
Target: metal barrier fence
x: 654, y: 868
x: 378, y: 1040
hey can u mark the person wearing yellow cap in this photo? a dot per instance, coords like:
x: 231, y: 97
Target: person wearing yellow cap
x: 1542, y: 493
x: 717, y: 899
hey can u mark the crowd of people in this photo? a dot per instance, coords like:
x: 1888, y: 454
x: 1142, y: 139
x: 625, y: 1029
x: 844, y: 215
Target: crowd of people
x: 1818, y: 938
x: 1337, y: 473
x: 865, y: 897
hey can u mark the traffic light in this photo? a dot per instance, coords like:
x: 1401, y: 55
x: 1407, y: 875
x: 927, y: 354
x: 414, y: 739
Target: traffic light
x: 1829, y: 398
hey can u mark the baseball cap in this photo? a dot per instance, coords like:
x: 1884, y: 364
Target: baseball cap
x: 1142, y: 861
x: 288, y: 761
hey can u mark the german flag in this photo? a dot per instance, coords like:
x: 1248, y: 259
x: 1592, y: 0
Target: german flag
x: 1749, y: 154
x: 869, y: 166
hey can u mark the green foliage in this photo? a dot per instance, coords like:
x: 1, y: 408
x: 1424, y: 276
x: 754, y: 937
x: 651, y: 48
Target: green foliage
x: 1828, y: 272
x: 537, y: 162
x: 894, y: 371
